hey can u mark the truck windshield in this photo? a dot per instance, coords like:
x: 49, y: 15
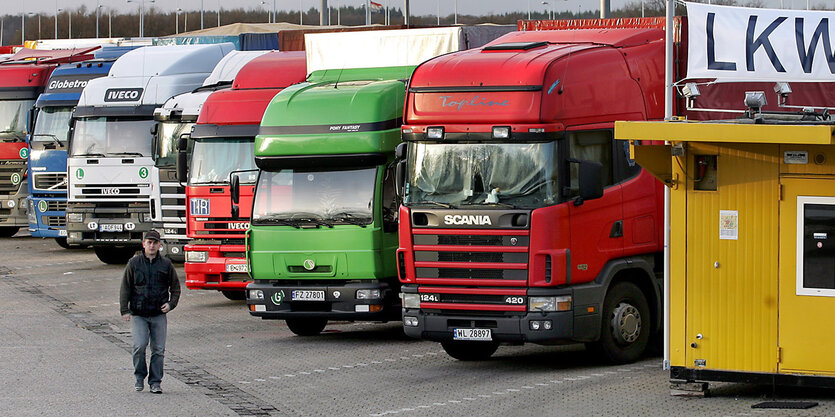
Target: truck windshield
x: 13, y: 115
x: 521, y: 175
x: 167, y: 136
x: 112, y: 136
x: 213, y: 159
x: 52, y: 128
x: 295, y: 197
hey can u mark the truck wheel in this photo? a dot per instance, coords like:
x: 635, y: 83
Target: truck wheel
x: 470, y: 351
x: 234, y: 295
x: 114, y: 256
x: 8, y: 231
x: 306, y: 327
x: 626, y: 325
x: 62, y: 242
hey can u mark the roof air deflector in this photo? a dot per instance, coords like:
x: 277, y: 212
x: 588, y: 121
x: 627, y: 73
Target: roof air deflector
x: 515, y: 46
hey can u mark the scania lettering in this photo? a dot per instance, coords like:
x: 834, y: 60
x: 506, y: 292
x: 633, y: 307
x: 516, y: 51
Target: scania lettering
x: 23, y: 78
x: 459, y: 219
x: 111, y: 169
x: 223, y: 145
x: 175, y: 120
x: 323, y: 235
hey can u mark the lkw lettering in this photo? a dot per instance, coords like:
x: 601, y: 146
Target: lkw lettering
x: 467, y: 219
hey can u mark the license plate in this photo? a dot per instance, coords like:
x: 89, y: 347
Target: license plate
x: 110, y: 228
x: 472, y: 334
x: 307, y: 295
x: 62, y: 232
x: 237, y: 268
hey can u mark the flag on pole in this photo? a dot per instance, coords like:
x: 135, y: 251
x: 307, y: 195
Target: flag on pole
x: 376, y: 7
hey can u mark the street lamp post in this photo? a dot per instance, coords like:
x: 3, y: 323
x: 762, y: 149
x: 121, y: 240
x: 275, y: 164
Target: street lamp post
x: 201, y: 14
x: 56, y: 19
x: 23, y: 27
x: 219, y: 9
x: 98, y: 6
x: 301, y: 22
x: 456, y: 12
x: 142, y: 14
x: 177, y: 20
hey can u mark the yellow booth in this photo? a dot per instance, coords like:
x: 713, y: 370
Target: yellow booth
x: 752, y: 247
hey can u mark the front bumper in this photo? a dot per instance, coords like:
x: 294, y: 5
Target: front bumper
x: 566, y: 326
x: 13, y: 209
x: 50, y: 223
x: 340, y: 302
x: 174, y: 249
x: 219, y: 272
x: 90, y: 230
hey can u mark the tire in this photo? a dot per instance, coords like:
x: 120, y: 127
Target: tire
x: 62, y: 242
x: 626, y: 325
x: 8, y: 231
x: 306, y: 327
x: 235, y: 295
x: 470, y: 351
x: 114, y: 256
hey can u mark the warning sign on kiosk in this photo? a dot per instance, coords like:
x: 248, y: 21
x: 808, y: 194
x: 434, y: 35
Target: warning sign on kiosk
x: 729, y: 224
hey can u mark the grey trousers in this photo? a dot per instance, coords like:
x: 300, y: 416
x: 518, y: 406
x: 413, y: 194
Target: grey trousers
x: 143, y: 330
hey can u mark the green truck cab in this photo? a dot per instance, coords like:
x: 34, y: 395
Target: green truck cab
x: 323, y: 233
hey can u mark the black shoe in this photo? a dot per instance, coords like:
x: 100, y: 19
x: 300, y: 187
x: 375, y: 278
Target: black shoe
x: 139, y: 386
x: 155, y: 389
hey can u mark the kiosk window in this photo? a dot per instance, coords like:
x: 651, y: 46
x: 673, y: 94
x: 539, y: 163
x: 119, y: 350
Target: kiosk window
x: 816, y: 246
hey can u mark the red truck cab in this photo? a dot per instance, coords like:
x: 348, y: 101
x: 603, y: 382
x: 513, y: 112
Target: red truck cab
x: 523, y: 220
x: 223, y: 145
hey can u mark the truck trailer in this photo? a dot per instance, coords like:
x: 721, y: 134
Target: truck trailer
x: 110, y: 162
x: 223, y: 146
x: 175, y: 119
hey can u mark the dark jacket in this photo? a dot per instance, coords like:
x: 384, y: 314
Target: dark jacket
x: 148, y: 284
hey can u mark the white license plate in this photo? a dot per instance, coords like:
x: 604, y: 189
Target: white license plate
x: 307, y: 295
x: 472, y: 334
x: 110, y: 228
x: 237, y: 268
x: 62, y: 232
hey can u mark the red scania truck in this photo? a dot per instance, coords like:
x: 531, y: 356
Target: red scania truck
x: 523, y: 220
x: 223, y: 145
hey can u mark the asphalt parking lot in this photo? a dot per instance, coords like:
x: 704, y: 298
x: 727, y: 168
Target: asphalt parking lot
x: 64, y: 351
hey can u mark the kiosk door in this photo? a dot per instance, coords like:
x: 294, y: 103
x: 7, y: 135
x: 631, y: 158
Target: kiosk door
x: 807, y: 276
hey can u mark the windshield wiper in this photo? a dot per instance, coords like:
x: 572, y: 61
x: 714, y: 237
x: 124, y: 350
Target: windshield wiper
x: 53, y: 137
x: 444, y: 205
x: 100, y: 155
x: 347, y: 217
x: 317, y: 222
x: 126, y: 153
x: 280, y: 222
x: 500, y: 204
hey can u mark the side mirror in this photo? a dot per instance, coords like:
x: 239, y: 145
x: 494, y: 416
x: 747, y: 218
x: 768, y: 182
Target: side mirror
x: 400, y: 178
x: 154, y: 129
x: 30, y: 121
x: 236, y: 212
x: 182, y: 167
x: 235, y: 189
x: 591, y: 181
x: 400, y: 151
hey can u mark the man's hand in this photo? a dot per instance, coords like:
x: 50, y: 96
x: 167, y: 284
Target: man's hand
x: 165, y: 308
x: 126, y: 317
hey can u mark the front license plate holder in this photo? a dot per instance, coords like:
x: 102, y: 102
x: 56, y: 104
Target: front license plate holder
x: 237, y: 268
x: 307, y: 295
x: 110, y: 228
x: 483, y: 335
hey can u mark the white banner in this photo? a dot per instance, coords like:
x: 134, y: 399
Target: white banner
x: 738, y: 43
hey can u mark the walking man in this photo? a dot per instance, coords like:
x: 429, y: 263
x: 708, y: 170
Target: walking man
x: 150, y: 289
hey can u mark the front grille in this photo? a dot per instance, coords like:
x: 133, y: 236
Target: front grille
x: 220, y: 226
x: 300, y: 269
x: 9, y: 170
x: 56, y: 205
x: 471, y: 240
x: 233, y: 254
x: 54, y: 221
x: 51, y: 181
x: 310, y: 306
x: 432, y: 256
x: 236, y: 277
x: 473, y: 273
x: 474, y: 299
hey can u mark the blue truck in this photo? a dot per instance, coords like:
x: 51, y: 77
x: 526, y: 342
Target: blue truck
x: 48, y: 140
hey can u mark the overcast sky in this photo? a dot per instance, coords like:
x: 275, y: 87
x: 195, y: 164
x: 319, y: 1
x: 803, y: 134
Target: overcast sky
x: 419, y: 7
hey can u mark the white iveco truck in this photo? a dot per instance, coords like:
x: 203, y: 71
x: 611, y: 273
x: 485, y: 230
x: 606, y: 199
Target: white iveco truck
x: 175, y: 119
x: 110, y: 169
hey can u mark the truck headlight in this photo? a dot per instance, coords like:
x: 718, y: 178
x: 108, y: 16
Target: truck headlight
x: 146, y: 217
x: 368, y: 294
x: 253, y: 294
x: 30, y: 213
x: 411, y: 300
x: 75, y: 217
x: 410, y: 321
x: 561, y: 303
x: 197, y: 256
x: 435, y: 132
x: 501, y: 132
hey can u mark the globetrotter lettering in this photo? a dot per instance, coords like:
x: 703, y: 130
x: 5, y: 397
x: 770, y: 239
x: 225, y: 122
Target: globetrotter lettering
x: 67, y: 84
x: 475, y: 101
x: 467, y: 219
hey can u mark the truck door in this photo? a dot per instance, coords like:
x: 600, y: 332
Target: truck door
x: 807, y: 276
x: 731, y: 249
x: 596, y: 225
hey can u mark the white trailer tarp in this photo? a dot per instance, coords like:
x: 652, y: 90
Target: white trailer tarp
x: 379, y: 48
